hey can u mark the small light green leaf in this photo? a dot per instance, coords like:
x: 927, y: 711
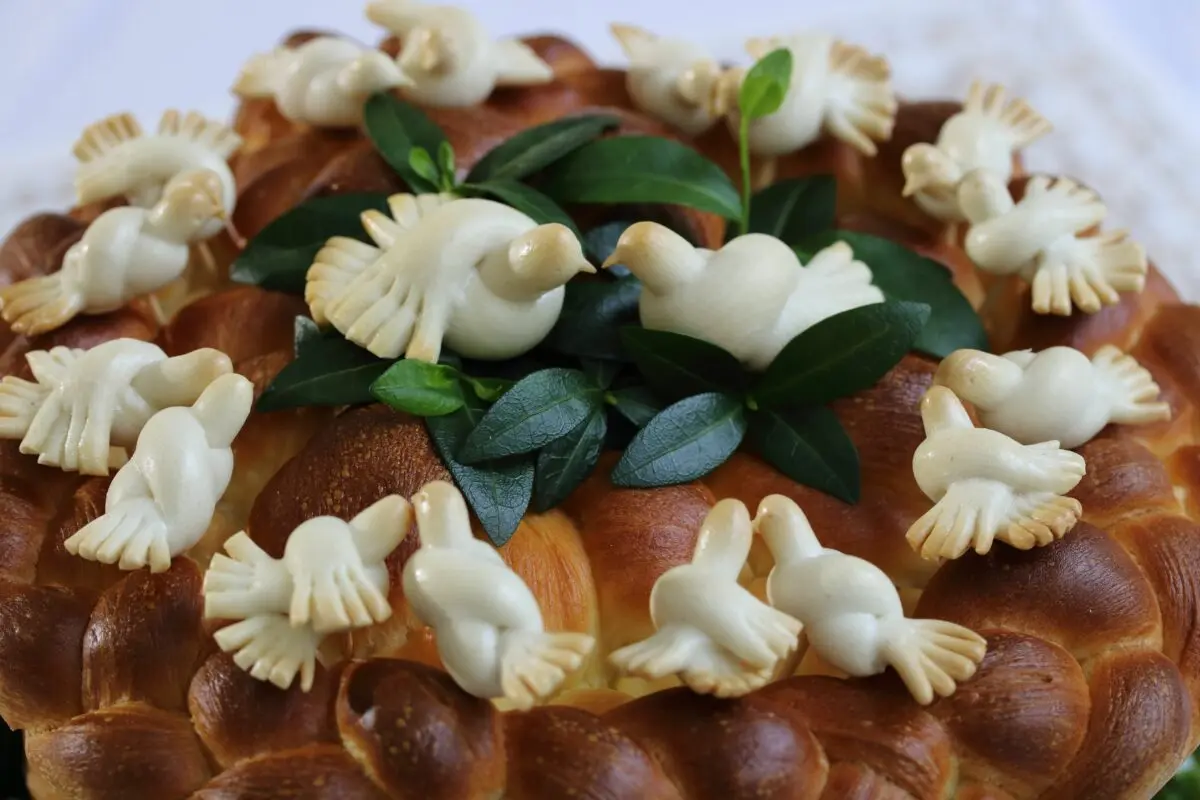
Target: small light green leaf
x: 636, y: 404
x: 422, y: 164
x: 592, y: 315
x: 810, y: 446
x: 792, y: 209
x: 566, y: 462
x: 446, y: 163
x: 841, y: 355
x: 525, y: 199
x: 684, y: 442
x: 539, y: 409
x: 675, y: 365
x: 536, y: 148
x: 497, y: 491
x: 599, y: 372
x: 329, y: 371
x: 419, y: 388
x: 278, y: 258
x: 905, y: 275
x: 395, y: 127
x: 642, y: 169
x: 766, y: 84
x: 489, y: 389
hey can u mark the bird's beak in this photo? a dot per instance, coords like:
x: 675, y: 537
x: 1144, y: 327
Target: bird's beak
x: 914, y: 184
x: 585, y: 266
x: 612, y: 260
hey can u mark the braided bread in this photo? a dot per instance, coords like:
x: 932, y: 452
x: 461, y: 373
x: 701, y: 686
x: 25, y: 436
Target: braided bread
x: 1089, y: 688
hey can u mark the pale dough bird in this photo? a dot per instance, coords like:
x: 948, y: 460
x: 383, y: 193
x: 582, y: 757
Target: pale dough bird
x: 751, y: 297
x: 125, y: 253
x: 489, y: 629
x: 851, y: 610
x: 985, y: 134
x: 673, y: 80
x: 116, y: 158
x: 332, y: 576
x: 836, y: 88
x: 1057, y: 394
x: 709, y: 630
x: 449, y: 56
x: 480, y: 276
x: 1046, y: 240
x: 85, y: 407
x: 987, y: 486
x: 324, y: 82
x: 162, y: 501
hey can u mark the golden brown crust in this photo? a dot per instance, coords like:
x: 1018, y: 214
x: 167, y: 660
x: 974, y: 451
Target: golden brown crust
x: 238, y: 717
x: 315, y: 772
x: 127, y: 752
x: 418, y: 735
x: 242, y: 322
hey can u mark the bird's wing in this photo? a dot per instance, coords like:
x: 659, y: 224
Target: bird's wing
x: 1007, y: 118
x: 51, y: 367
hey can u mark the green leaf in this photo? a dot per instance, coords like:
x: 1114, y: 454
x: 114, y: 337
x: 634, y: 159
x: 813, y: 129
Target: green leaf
x: 566, y: 462
x: 539, y: 409
x: 422, y: 164
x: 488, y: 389
x: 327, y: 371
x: 642, y: 169
x: 419, y: 388
x: 538, y: 147
x: 278, y: 258
x: 841, y: 355
x: 497, y: 491
x: 676, y: 365
x: 446, y: 163
x: 395, y: 128
x: 793, y: 209
x: 636, y: 404
x: 304, y: 333
x: 905, y: 275
x: 599, y: 372
x: 810, y: 446
x: 766, y: 84
x: 599, y: 243
x: 525, y: 199
x: 592, y: 315
x: 683, y: 442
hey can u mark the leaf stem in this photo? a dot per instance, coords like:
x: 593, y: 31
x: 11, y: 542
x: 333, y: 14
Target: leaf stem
x: 744, y: 155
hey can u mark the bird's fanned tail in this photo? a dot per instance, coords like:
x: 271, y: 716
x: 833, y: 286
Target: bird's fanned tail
x: 533, y: 664
x: 931, y: 656
x: 132, y: 534
x: 40, y: 304
x: 1131, y: 387
x: 860, y: 105
x: 1015, y: 117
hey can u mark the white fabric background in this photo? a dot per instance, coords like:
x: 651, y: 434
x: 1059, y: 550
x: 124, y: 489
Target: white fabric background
x: 1117, y: 77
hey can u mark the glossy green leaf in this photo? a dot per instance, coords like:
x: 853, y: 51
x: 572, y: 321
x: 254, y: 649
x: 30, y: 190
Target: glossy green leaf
x: 278, y: 258
x: 592, y: 315
x: 395, y: 127
x: 905, y: 275
x: 810, y: 446
x: 488, y: 389
x: 446, y: 165
x: 538, y: 147
x: 642, y: 169
x: 600, y: 372
x: 498, y: 492
x: 540, y: 208
x: 304, y: 333
x: 636, y: 404
x: 419, y: 388
x: 566, y: 462
x: 766, y: 84
x: 794, y: 209
x: 684, y: 442
x: 328, y: 371
x: 537, y: 410
x: 422, y: 163
x: 841, y: 355
x: 676, y: 365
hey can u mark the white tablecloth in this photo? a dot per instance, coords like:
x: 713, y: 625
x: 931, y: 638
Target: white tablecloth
x: 1118, y: 79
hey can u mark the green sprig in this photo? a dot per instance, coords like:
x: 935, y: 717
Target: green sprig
x: 762, y: 93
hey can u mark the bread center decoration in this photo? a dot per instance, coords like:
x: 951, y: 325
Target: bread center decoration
x: 180, y: 192
x: 481, y: 276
